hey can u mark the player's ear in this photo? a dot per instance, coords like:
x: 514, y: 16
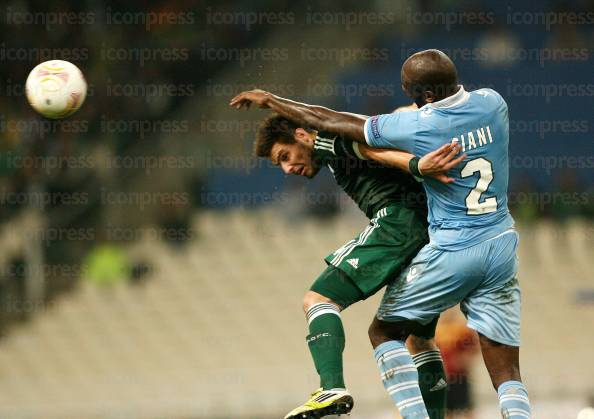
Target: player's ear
x: 303, y: 137
x: 406, y: 90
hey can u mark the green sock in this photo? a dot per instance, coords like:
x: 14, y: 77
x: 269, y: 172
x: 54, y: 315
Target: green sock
x: 326, y: 343
x: 433, y: 383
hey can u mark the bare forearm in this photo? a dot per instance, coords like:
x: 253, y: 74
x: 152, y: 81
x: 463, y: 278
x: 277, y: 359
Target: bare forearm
x: 387, y: 157
x: 347, y: 125
x: 351, y: 126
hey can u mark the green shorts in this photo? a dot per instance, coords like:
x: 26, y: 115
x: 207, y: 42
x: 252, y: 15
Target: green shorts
x: 376, y: 256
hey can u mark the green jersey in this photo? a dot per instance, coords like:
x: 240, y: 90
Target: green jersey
x: 371, y: 185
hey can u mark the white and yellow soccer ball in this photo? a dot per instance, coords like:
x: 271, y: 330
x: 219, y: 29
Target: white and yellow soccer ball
x: 56, y: 89
x: 586, y: 413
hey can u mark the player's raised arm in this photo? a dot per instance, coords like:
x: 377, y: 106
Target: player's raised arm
x: 345, y: 124
x: 395, y: 130
x: 434, y: 164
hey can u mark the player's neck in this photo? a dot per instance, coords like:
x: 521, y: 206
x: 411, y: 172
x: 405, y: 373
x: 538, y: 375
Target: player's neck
x: 449, y: 91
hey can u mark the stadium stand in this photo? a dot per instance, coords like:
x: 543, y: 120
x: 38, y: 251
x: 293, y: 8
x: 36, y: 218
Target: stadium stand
x: 192, y: 340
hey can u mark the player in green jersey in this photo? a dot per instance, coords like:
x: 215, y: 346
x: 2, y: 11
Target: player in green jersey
x: 395, y: 204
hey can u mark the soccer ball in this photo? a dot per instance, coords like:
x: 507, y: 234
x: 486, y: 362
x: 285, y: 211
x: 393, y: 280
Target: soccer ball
x: 587, y: 413
x: 56, y: 89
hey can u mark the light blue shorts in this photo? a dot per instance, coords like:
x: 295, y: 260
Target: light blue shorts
x: 482, y: 278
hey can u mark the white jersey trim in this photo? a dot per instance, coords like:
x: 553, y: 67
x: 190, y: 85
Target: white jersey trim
x: 365, y: 132
x: 456, y: 99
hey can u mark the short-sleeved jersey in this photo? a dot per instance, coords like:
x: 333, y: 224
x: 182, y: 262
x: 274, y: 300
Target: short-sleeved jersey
x: 371, y: 185
x: 474, y: 207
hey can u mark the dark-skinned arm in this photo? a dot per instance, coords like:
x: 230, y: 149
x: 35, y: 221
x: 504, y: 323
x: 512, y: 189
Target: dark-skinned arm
x: 347, y: 125
x: 351, y: 126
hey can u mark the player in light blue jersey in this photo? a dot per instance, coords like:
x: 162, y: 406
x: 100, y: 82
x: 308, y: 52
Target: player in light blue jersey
x: 473, y: 208
x: 471, y: 258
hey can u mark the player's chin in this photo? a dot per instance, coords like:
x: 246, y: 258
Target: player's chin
x: 310, y: 172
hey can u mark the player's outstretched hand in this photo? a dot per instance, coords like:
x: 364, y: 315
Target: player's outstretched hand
x: 438, y: 162
x: 245, y: 99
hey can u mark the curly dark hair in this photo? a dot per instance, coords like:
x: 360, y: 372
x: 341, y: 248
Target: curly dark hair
x: 275, y: 129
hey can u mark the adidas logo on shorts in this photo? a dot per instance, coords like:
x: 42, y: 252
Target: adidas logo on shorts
x: 353, y: 262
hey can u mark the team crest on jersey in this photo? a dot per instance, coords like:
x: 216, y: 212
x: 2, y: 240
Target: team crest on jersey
x: 426, y: 112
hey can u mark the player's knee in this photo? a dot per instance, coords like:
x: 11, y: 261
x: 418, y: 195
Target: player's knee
x: 417, y: 344
x: 376, y: 335
x: 380, y: 332
x: 312, y: 298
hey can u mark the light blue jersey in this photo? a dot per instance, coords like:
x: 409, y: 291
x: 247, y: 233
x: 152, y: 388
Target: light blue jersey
x: 474, y: 207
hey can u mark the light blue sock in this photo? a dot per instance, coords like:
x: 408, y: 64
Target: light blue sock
x: 401, y: 379
x: 513, y: 399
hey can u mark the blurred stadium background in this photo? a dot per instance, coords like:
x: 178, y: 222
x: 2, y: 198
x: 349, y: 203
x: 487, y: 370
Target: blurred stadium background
x: 151, y: 267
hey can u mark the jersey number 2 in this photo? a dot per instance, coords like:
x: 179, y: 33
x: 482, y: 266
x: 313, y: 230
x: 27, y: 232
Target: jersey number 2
x: 473, y: 204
